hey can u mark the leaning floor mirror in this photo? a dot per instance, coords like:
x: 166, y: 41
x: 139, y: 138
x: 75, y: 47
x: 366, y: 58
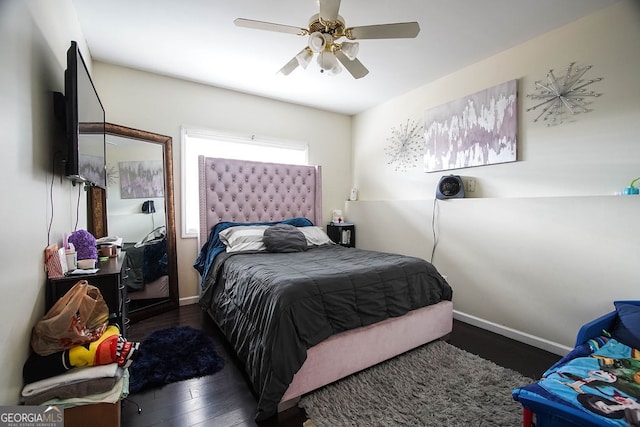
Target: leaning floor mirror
x: 138, y: 208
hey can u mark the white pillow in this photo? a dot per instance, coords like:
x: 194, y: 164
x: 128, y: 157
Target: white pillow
x: 315, y: 236
x: 243, y: 238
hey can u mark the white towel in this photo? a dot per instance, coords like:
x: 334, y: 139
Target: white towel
x: 70, y: 377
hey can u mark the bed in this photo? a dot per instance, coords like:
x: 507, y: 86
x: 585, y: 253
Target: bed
x: 147, y: 276
x: 598, y: 383
x: 303, y: 317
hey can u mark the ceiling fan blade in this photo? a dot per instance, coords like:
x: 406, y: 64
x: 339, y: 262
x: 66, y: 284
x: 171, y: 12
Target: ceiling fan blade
x: 268, y: 26
x: 329, y: 10
x: 354, y: 66
x: 399, y: 30
x: 289, y: 66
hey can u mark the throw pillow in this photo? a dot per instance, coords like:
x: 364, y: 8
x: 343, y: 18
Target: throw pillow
x: 627, y: 327
x: 284, y: 238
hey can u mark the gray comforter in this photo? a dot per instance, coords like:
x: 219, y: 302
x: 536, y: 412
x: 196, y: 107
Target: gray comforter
x: 273, y: 306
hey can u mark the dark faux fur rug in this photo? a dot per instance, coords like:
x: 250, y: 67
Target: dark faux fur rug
x: 434, y: 385
x: 172, y: 355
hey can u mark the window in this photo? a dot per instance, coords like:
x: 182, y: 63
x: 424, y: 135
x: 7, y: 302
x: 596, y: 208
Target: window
x: 196, y: 142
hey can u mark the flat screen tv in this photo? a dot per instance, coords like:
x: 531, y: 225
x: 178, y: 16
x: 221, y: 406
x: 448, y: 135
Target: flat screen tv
x: 84, y: 123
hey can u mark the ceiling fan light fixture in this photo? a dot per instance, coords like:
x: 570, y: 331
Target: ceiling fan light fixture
x: 304, y: 57
x: 328, y: 63
x: 350, y: 49
x: 335, y: 70
x: 317, y: 42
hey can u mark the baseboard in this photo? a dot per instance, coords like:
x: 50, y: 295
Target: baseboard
x: 189, y: 300
x: 523, y: 337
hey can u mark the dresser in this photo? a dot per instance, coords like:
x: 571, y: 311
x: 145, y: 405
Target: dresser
x: 111, y: 279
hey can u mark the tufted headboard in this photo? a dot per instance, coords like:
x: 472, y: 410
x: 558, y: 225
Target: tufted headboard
x: 244, y: 191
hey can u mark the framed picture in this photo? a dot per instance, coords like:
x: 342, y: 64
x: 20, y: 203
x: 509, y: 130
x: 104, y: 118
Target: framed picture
x: 141, y: 179
x: 476, y: 130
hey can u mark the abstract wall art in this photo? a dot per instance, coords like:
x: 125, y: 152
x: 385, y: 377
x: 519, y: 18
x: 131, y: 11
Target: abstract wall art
x: 477, y: 130
x: 563, y: 94
x: 142, y: 179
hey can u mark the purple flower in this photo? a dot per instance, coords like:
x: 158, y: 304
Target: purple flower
x: 85, y: 244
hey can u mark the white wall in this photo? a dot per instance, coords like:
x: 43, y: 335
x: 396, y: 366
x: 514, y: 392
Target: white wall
x: 34, y: 38
x: 542, y: 245
x: 162, y: 104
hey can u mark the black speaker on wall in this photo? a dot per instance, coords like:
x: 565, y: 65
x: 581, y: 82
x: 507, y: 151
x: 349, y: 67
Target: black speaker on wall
x: 450, y: 187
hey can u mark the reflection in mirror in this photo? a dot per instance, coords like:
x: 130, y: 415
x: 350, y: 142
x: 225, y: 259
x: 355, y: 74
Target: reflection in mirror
x: 139, y: 211
x: 135, y: 179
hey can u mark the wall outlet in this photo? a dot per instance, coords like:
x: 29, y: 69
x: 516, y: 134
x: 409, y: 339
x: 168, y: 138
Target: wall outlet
x: 470, y: 185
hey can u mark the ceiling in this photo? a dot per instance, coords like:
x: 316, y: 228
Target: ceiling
x: 196, y: 40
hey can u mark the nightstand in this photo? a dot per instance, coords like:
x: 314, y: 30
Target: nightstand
x: 343, y: 234
x: 111, y: 279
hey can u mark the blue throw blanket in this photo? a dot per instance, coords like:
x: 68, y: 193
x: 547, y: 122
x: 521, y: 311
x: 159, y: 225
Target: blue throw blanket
x: 214, y: 246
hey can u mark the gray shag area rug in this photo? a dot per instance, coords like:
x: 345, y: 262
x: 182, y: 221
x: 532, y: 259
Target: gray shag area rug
x: 434, y: 385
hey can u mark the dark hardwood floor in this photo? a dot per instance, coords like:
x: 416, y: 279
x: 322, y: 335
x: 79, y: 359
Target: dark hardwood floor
x: 225, y: 398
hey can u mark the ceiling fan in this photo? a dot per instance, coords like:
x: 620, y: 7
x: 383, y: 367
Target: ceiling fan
x: 325, y: 32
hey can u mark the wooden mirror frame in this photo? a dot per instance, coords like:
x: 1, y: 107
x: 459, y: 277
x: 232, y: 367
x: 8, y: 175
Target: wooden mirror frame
x: 97, y: 214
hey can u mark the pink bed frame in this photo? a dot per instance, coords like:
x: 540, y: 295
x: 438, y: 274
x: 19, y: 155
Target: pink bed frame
x: 242, y: 191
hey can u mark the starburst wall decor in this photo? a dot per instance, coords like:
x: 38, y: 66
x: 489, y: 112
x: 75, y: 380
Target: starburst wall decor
x: 405, y: 146
x: 561, y: 94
